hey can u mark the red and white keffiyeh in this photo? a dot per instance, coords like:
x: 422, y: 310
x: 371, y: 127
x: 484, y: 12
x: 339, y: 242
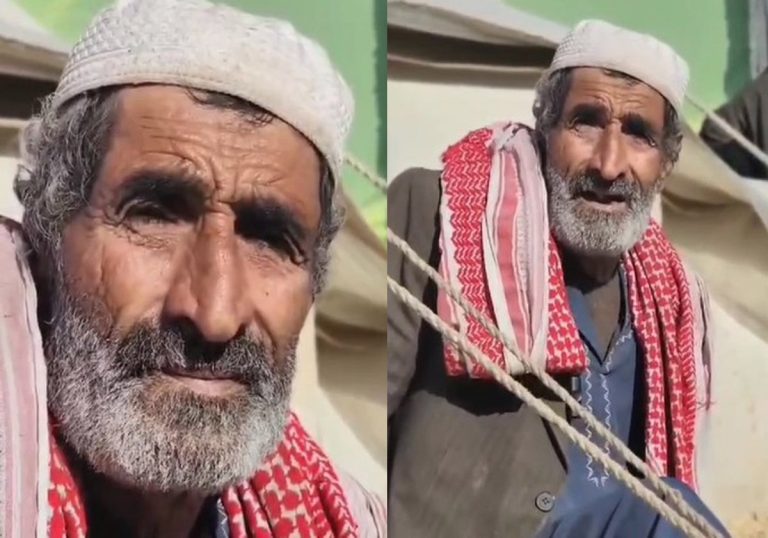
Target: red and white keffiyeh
x: 295, y: 493
x: 497, y: 249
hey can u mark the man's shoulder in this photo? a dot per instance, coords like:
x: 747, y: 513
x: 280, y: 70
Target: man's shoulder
x: 415, y: 179
x: 9, y: 224
x: 416, y: 187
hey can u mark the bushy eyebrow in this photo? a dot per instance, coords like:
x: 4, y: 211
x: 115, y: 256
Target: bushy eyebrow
x: 266, y: 212
x: 593, y: 111
x: 183, y: 194
x: 186, y: 197
x: 632, y: 122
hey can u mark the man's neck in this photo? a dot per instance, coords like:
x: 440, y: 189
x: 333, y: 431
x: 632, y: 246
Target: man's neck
x: 115, y: 510
x: 598, y: 280
x: 589, y: 272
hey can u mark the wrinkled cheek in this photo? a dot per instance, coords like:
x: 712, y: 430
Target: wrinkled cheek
x: 569, y: 155
x: 285, y: 306
x: 557, y: 153
x: 81, y: 254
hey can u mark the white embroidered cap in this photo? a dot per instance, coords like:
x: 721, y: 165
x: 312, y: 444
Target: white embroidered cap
x: 200, y: 45
x: 594, y: 43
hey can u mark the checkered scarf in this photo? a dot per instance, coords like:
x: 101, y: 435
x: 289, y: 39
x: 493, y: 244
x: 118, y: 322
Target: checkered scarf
x: 295, y: 493
x: 497, y: 249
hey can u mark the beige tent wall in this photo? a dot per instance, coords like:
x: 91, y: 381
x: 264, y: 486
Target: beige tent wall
x: 430, y: 108
x: 338, y: 399
x: 712, y: 215
x: 351, y: 346
x: 707, y: 212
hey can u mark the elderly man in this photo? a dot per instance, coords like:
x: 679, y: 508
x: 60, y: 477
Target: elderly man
x: 180, y: 192
x: 548, y: 232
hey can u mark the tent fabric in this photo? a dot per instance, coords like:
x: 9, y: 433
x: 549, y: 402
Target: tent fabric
x: 719, y: 222
x: 716, y: 219
x: 352, y: 348
x: 26, y: 50
x: 701, y: 184
x: 489, y: 21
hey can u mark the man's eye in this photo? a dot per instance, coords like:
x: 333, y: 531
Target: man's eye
x: 287, y: 247
x: 148, y: 213
x: 585, y: 121
x: 277, y: 241
x: 644, y: 138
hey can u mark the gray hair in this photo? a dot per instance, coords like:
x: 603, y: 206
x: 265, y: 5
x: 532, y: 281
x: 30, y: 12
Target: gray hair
x: 62, y: 152
x: 552, y: 90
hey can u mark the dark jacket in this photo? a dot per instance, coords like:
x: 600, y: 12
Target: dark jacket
x: 466, y: 457
x: 747, y: 112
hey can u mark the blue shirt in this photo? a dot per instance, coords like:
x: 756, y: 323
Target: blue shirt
x: 612, y: 389
x: 592, y: 503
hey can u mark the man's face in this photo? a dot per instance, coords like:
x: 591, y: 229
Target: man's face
x: 186, y: 282
x: 604, y: 163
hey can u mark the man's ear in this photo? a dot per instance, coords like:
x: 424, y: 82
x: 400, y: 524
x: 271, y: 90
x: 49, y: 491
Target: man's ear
x: 666, y: 169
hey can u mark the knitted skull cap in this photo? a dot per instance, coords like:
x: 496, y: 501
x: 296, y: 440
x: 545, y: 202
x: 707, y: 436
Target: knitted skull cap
x: 206, y: 46
x: 594, y: 43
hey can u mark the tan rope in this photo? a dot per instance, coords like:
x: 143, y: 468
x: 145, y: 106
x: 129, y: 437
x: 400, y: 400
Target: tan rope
x: 519, y: 390
x: 552, y: 384
x: 360, y: 168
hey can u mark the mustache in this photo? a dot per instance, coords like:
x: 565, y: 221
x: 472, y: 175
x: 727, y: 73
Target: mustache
x: 147, y: 349
x: 627, y: 189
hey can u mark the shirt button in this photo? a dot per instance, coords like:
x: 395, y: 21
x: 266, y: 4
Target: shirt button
x: 544, y: 501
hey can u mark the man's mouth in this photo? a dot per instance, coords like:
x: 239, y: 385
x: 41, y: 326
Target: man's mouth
x: 602, y: 201
x: 204, y: 382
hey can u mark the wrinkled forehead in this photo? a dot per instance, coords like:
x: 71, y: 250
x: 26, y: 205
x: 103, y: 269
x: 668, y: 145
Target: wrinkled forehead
x: 164, y: 130
x: 615, y: 92
x: 137, y: 107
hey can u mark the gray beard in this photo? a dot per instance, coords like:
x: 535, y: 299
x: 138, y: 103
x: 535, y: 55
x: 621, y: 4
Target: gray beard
x: 116, y: 414
x: 589, y: 232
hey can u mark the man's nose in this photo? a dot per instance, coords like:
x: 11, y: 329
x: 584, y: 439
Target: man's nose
x: 609, y: 156
x: 209, y: 290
